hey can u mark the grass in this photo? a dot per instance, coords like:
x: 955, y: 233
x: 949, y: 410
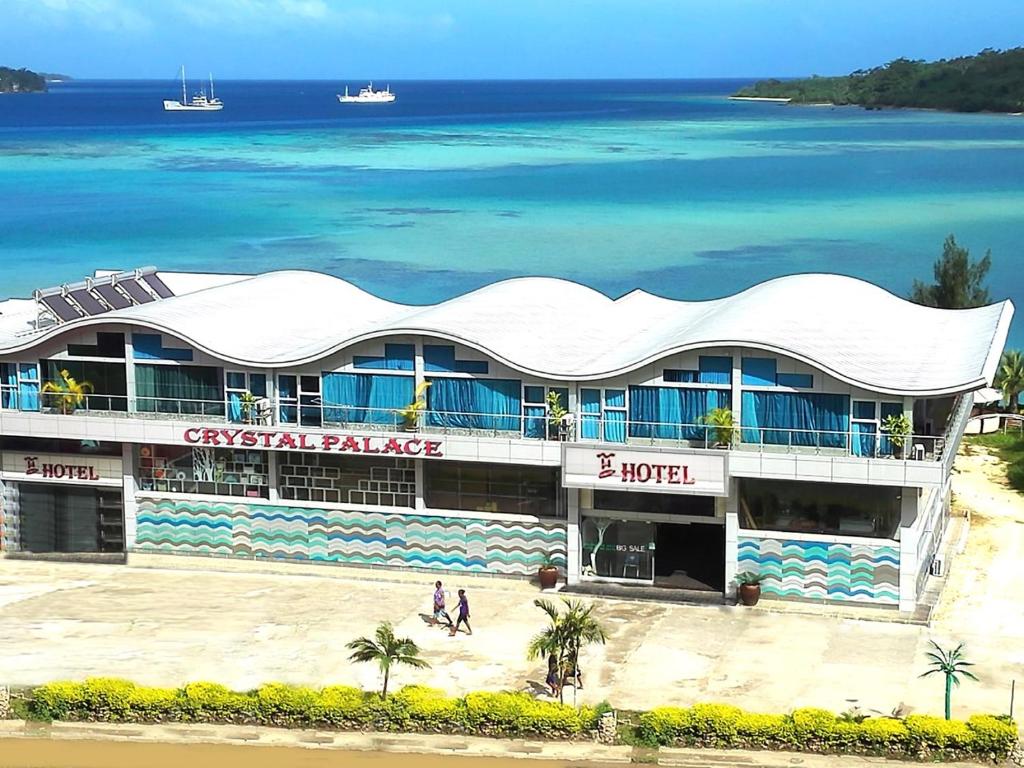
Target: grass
x: 1007, y: 446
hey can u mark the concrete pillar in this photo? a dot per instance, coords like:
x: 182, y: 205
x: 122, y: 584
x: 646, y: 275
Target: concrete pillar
x: 272, y: 484
x: 419, y: 465
x: 128, y: 489
x: 572, y: 536
x: 129, y: 371
x: 732, y: 534
x: 737, y: 387
x: 272, y: 397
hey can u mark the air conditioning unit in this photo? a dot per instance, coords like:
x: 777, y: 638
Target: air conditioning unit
x: 935, y: 569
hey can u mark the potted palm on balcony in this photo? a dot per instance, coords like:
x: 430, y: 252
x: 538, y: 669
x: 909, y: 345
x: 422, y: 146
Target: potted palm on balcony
x: 722, y: 425
x: 898, y: 428
x: 68, y: 393
x: 411, y: 413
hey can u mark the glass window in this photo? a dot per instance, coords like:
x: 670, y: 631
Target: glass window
x: 617, y: 549
x: 864, y: 409
x: 662, y: 503
x: 827, y: 508
x: 235, y: 380
x: 68, y: 519
x: 507, y: 489
x: 109, y: 390
x: 335, y: 479
x: 213, y: 471
x: 186, y: 389
x: 288, y: 397
x: 674, y: 375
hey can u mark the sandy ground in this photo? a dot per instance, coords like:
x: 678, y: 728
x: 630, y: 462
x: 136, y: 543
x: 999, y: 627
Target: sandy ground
x: 242, y: 629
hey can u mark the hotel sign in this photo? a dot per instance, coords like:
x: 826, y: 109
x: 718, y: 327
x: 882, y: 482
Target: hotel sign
x: 80, y: 469
x: 332, y: 442
x: 642, y: 469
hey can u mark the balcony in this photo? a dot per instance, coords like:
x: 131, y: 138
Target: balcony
x: 864, y: 454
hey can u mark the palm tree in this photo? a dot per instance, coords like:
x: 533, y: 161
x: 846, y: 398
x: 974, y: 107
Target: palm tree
x: 565, y: 635
x: 952, y: 665
x: 1010, y: 377
x: 958, y: 281
x: 386, y: 650
x: 68, y: 392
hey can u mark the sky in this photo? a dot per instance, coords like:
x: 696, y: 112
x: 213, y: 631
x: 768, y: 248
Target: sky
x: 480, y: 39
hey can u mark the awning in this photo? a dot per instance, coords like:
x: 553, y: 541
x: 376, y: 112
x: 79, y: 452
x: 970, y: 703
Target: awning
x: 987, y: 395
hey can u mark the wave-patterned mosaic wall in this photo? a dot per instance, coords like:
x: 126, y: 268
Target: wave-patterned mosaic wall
x: 820, y: 570
x: 365, y: 538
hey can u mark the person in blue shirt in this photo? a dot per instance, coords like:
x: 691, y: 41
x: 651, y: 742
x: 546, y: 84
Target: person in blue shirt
x: 463, y: 615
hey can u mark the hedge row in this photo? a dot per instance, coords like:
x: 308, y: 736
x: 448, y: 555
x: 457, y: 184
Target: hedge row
x: 416, y: 708
x: 413, y: 708
x: 817, y: 730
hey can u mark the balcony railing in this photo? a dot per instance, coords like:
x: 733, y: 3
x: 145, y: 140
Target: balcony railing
x: 518, y: 426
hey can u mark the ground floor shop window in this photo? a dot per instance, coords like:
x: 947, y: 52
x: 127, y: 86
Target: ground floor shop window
x: 347, y: 479
x: 68, y: 519
x: 827, y: 508
x: 215, y: 471
x: 494, y: 488
x: 618, y: 549
x: 661, y: 503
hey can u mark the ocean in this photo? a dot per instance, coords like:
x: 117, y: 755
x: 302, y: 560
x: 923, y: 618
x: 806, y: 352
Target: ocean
x: 661, y: 185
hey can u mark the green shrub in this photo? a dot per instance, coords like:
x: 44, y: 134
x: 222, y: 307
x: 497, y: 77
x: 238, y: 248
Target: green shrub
x: 418, y: 708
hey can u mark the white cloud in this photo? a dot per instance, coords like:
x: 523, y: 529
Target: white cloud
x: 105, y: 15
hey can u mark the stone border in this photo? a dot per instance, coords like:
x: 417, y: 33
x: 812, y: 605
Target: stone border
x: 431, y: 744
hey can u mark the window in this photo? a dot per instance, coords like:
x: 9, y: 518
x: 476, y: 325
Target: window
x: 536, y: 413
x: 795, y: 380
x: 213, y: 471
x: 397, y: 357
x: 759, y: 371
x: 335, y: 479
x: 108, y: 380
x: 715, y: 370
x: 366, y: 398
x: 66, y: 519
x: 19, y: 386
x: 673, y: 413
x: 618, y: 549
x: 676, y: 376
x: 507, y: 489
x: 825, y: 508
x: 288, y: 398
x: 661, y: 503
x: 107, y: 345
x: 239, y: 384
x: 184, y: 389
x: 494, y: 405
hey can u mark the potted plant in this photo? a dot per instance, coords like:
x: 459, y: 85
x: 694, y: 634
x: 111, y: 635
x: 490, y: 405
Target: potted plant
x: 547, y: 574
x: 723, y: 427
x: 749, y: 587
x: 68, y: 393
x: 897, y: 426
x: 248, y: 402
x: 410, y: 415
x: 556, y: 414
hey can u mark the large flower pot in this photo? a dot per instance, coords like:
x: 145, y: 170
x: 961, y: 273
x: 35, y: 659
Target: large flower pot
x: 548, y: 577
x: 749, y: 593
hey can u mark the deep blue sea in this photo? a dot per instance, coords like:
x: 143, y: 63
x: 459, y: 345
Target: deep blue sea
x: 662, y: 185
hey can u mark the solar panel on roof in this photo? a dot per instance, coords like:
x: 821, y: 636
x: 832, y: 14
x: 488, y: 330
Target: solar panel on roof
x: 61, y: 307
x: 159, y: 286
x: 88, y: 302
x: 136, y: 291
x: 112, y: 296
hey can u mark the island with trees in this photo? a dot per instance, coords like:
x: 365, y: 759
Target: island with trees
x: 990, y: 81
x: 21, y: 81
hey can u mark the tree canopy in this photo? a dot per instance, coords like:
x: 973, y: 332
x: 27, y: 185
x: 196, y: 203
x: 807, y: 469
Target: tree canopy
x: 959, y: 282
x: 20, y: 81
x: 988, y: 81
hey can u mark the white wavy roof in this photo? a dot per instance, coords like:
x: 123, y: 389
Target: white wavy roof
x: 557, y: 329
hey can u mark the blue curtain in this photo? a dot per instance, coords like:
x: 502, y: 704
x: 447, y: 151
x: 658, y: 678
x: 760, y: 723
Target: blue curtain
x: 234, y: 407
x: 615, y: 426
x: 10, y: 381
x: 475, y: 403
x: 28, y: 392
x: 366, y: 398
x: 863, y: 441
x: 590, y: 414
x: 287, y: 389
x: 672, y: 412
x: 822, y: 420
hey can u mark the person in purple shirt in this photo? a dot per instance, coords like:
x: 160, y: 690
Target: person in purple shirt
x: 439, y: 611
x: 463, y: 615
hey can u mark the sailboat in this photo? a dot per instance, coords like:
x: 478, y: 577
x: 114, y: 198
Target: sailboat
x: 198, y: 103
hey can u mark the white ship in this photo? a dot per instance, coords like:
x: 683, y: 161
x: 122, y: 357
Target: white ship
x: 367, y: 96
x: 198, y: 103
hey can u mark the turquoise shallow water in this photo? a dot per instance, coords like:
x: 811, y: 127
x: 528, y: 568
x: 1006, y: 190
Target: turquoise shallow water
x: 663, y: 185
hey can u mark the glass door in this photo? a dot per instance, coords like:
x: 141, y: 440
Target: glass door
x: 618, y: 549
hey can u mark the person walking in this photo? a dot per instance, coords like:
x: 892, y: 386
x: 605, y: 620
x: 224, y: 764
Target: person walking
x: 463, y: 615
x: 439, y: 611
x: 553, y: 679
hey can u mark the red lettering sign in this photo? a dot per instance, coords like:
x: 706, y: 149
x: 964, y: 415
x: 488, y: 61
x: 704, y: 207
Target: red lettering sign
x: 302, y: 441
x: 643, y: 472
x: 60, y: 471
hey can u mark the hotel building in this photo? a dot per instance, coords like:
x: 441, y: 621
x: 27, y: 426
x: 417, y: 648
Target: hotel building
x: 267, y: 417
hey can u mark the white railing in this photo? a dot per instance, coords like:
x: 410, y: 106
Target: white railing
x: 572, y: 428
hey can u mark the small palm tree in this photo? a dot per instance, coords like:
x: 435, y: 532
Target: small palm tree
x: 952, y: 665
x: 68, y: 392
x: 1010, y: 377
x: 722, y: 424
x: 386, y: 650
x: 566, y: 635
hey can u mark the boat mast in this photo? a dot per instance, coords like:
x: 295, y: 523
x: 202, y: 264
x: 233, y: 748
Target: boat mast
x: 184, y: 93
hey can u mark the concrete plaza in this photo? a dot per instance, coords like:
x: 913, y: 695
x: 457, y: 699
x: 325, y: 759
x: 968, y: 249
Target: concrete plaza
x: 162, y: 626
